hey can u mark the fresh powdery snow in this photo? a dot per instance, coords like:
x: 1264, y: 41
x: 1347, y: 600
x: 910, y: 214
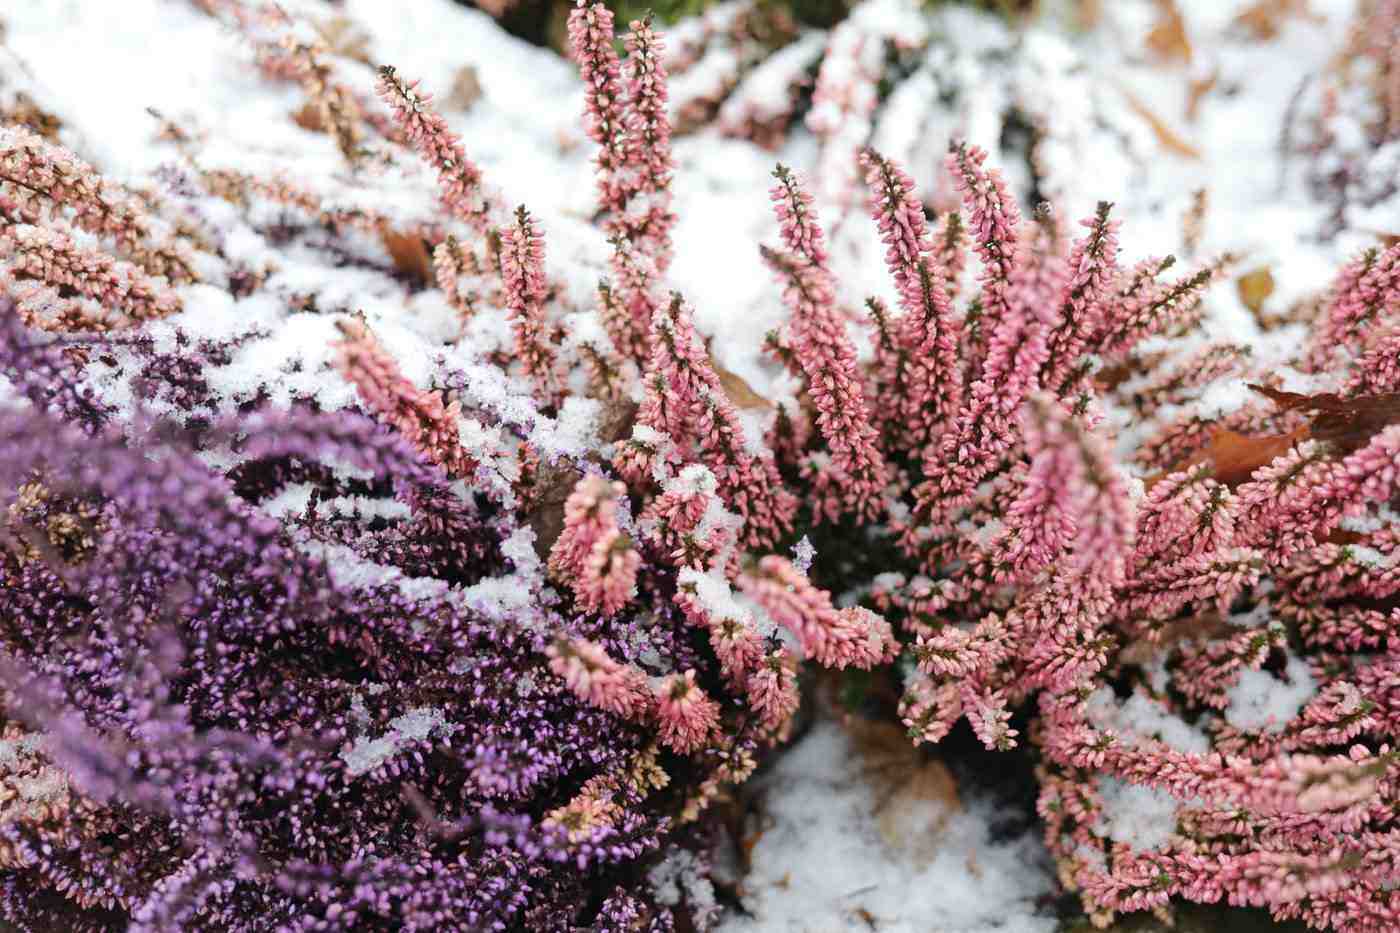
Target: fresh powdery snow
x: 822, y: 862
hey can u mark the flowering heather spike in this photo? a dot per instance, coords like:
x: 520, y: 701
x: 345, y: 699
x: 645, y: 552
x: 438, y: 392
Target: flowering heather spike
x: 684, y: 399
x: 992, y: 221
x: 419, y: 415
x: 824, y: 350
x: 600, y: 681
x: 592, y: 555
x: 1366, y: 293
x: 1007, y: 344
x: 685, y: 715
x: 1145, y: 307
x: 522, y: 270
x: 40, y: 180
x: 604, y: 117
x: 448, y: 268
x: 49, y: 257
x: 1093, y: 267
x: 928, y: 337
x: 950, y: 252
x: 772, y: 689
x: 834, y: 638
x: 629, y: 324
x: 460, y: 188
x: 648, y: 146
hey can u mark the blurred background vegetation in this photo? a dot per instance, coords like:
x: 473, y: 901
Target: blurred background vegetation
x: 542, y: 21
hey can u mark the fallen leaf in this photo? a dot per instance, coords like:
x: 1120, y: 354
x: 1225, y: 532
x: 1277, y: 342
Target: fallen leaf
x: 410, y: 254
x: 1088, y: 13
x: 1348, y: 423
x: 737, y: 390
x: 1196, y: 91
x: 1234, y: 456
x: 466, y: 89
x: 309, y: 118
x: 1164, y: 133
x: 1167, y: 39
x: 344, y: 37
x: 1254, y: 287
x: 915, y: 795
x: 1264, y: 19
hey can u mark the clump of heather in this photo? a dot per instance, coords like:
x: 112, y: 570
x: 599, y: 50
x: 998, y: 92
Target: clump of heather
x: 363, y: 635
x: 1344, y: 130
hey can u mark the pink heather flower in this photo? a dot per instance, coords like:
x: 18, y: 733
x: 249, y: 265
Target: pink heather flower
x: 685, y: 715
x: 600, y: 681
x: 949, y: 252
x: 683, y: 398
x: 650, y: 218
x: 992, y: 221
x: 582, y: 815
x: 39, y: 180
x: 928, y: 376
x: 1378, y: 370
x: 50, y: 257
x: 460, y: 188
x: 450, y: 263
x: 628, y: 310
x: 1007, y: 346
x: 591, y: 555
x: 1142, y: 306
x: 522, y: 269
x: 1364, y: 293
x: 825, y: 352
x: 736, y: 642
x: 1093, y: 268
x: 928, y: 710
x: 425, y: 421
x: 689, y: 523
x: 772, y: 690
x: 844, y: 98
x: 591, y: 43
x: 834, y: 638
x: 628, y: 332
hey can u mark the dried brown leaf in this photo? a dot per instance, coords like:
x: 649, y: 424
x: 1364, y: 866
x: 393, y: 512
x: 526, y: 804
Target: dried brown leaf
x: 1264, y: 19
x: 1167, y: 39
x: 410, y: 254
x: 1196, y: 91
x: 1254, y: 288
x: 1234, y: 456
x: 1167, y: 136
x: 738, y: 391
x: 915, y: 795
x: 1347, y: 423
x: 345, y: 37
x: 466, y: 89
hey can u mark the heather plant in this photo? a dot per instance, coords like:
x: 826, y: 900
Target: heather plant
x: 1344, y: 129
x: 375, y: 637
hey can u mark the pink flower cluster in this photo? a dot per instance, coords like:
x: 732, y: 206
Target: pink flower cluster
x: 592, y: 554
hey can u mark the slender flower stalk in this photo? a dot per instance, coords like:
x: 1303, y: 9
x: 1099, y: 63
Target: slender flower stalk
x: 426, y: 421
x: 522, y: 269
x: 461, y: 190
x: 824, y: 350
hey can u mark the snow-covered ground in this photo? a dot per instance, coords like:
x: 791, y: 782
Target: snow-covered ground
x: 823, y: 861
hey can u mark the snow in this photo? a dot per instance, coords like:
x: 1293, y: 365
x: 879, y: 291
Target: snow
x: 822, y: 864
x: 1263, y: 702
x: 1143, y: 817
x: 365, y: 754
